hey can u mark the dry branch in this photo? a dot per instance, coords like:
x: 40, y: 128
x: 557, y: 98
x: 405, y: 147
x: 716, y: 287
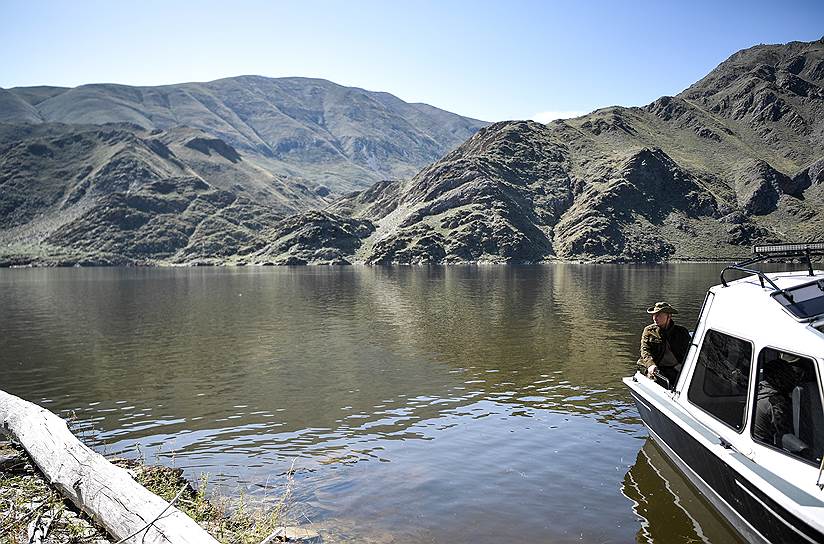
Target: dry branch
x: 103, y: 491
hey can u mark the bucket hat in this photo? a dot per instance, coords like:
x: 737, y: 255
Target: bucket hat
x: 662, y: 307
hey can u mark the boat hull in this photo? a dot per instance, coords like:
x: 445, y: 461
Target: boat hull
x: 757, y: 517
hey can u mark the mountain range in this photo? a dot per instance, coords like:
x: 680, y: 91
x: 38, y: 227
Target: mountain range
x: 735, y: 159
x: 343, y: 138
x: 252, y: 171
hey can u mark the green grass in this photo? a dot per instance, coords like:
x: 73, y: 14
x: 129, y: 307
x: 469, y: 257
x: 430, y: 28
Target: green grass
x: 229, y: 520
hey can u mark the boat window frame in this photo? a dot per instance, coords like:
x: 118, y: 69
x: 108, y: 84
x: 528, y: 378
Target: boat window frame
x: 695, y: 347
x: 753, y: 406
x: 789, y: 290
x: 750, y: 380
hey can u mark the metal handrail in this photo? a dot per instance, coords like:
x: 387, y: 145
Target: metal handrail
x: 761, y: 276
x: 804, y: 252
x: 658, y: 375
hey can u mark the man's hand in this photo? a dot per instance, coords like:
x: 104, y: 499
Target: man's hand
x: 651, y: 371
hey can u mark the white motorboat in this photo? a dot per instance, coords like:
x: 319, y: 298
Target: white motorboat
x: 744, y: 419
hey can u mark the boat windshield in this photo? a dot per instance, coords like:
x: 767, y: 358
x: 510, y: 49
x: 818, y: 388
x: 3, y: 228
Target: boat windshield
x: 804, y: 301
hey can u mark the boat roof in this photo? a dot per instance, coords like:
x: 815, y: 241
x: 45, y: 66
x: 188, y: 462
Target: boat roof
x: 747, y: 309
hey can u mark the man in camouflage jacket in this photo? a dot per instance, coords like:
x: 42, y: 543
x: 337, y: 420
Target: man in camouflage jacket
x: 664, y: 345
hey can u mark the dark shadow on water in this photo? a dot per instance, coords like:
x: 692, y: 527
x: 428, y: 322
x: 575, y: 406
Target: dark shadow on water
x: 668, y: 506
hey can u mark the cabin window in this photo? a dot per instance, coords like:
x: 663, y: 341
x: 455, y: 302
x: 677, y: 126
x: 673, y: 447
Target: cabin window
x: 719, y: 382
x: 803, y: 301
x: 787, y: 412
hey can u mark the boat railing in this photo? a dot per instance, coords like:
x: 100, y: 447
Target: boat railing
x: 761, y: 253
x: 761, y: 276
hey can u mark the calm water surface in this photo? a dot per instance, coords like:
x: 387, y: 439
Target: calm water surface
x: 456, y: 405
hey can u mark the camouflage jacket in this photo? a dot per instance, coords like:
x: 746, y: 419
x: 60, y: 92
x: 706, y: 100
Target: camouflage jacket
x: 654, y: 342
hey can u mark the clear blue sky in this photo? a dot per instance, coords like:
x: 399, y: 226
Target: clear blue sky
x: 489, y: 60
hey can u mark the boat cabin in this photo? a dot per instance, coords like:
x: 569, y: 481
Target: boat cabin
x: 744, y: 420
x: 754, y: 369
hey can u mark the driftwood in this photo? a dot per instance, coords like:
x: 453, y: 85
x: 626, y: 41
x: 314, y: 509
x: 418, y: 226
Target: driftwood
x: 103, y: 491
x: 39, y: 528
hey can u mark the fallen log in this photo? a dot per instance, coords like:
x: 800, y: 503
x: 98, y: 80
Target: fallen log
x: 103, y: 491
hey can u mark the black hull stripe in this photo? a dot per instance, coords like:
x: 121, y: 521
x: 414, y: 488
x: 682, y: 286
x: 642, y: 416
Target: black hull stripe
x: 763, y: 514
x: 771, y: 511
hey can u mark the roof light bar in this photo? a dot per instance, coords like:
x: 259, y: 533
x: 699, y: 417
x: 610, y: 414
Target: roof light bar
x: 788, y: 248
x: 762, y: 253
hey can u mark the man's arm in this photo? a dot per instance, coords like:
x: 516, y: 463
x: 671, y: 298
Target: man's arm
x: 647, y: 359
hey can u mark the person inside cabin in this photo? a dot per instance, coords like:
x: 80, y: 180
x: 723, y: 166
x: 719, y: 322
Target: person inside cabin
x: 664, y: 344
x: 773, y: 408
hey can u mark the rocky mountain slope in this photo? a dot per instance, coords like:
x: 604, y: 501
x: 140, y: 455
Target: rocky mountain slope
x: 341, y: 137
x: 736, y: 159
x: 116, y: 194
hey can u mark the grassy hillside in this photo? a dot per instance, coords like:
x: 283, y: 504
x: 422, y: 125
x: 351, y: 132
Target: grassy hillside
x: 736, y: 159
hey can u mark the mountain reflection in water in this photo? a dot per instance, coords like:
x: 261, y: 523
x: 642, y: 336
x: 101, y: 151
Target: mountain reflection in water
x: 450, y: 404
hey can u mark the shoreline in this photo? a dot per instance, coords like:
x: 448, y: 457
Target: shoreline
x: 30, y: 503
x: 482, y: 263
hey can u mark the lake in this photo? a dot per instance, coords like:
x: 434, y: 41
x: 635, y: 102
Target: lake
x: 477, y: 404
